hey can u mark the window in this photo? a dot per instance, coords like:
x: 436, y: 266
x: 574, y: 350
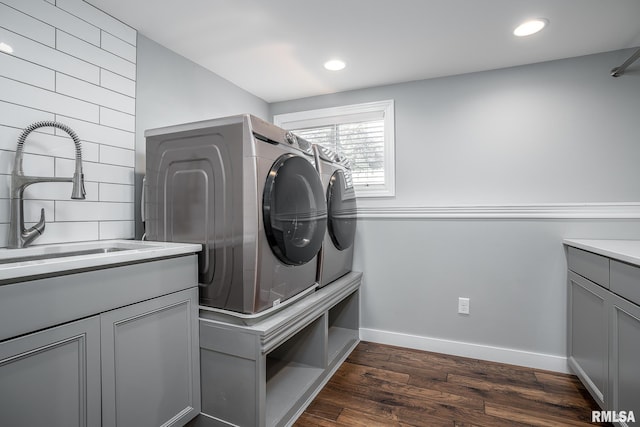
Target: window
x: 364, y: 133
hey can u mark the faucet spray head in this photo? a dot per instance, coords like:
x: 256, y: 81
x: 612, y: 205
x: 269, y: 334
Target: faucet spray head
x: 78, y: 186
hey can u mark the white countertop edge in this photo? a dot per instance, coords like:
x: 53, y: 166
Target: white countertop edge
x: 140, y: 251
x: 622, y: 250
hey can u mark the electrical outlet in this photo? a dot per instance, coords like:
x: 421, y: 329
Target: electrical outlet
x: 463, y: 305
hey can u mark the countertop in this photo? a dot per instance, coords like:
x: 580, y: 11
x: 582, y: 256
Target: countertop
x: 623, y: 250
x: 130, y: 251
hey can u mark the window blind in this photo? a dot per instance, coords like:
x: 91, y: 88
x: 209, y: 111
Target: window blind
x: 362, y: 142
x: 364, y: 133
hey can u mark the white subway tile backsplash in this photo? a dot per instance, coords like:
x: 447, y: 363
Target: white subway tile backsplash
x: 74, y: 64
x: 117, y: 156
x: 100, y: 19
x: 4, y: 212
x: 9, y: 138
x: 45, y: 56
x: 4, y: 230
x: 20, y: 117
x: 117, y: 193
x: 110, y: 174
x: 18, y: 22
x: 97, y: 172
x: 46, y: 144
x: 95, y: 55
x: 79, y: 89
x: 59, y: 191
x: 32, y: 210
x: 93, y: 211
x: 62, y: 232
x: 90, y: 150
x: 117, y: 230
x: 117, y: 119
x: 6, y: 162
x: 27, y: 72
x: 31, y: 164
x: 101, y: 134
x: 5, y: 182
x: 117, y: 83
x: 118, y: 47
x: 24, y: 94
x: 58, y: 18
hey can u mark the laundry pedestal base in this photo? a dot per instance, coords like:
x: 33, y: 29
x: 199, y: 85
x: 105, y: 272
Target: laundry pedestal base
x: 265, y: 374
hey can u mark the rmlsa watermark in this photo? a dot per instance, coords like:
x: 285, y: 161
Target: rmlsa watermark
x: 612, y: 417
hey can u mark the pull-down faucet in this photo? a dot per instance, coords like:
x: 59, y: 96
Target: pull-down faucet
x: 19, y: 237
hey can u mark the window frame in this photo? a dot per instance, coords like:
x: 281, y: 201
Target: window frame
x: 327, y: 116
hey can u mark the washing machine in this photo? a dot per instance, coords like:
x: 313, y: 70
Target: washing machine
x: 249, y: 192
x: 336, y: 255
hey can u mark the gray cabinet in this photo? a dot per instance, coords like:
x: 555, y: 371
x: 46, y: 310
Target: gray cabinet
x: 149, y: 362
x: 604, y: 328
x: 589, y: 335
x: 624, y: 359
x: 52, y: 377
x: 133, y: 359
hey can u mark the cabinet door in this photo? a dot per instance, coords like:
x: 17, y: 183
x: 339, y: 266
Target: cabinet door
x: 52, y: 377
x: 588, y: 336
x: 150, y: 362
x: 625, y: 354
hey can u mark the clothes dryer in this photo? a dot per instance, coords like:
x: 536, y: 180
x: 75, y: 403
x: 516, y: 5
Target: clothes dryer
x: 249, y: 192
x: 336, y: 256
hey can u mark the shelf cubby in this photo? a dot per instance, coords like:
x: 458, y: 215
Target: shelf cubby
x: 344, y: 325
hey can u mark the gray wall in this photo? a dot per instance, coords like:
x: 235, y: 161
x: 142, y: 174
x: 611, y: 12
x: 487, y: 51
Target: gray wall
x: 493, y: 170
x: 512, y: 136
x: 172, y: 90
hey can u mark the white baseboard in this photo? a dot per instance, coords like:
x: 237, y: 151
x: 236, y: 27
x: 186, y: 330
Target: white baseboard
x: 529, y: 359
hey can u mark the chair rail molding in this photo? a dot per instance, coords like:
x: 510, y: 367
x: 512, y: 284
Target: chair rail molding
x: 614, y: 210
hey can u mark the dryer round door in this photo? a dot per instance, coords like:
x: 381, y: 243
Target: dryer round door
x: 294, y: 210
x: 341, y: 206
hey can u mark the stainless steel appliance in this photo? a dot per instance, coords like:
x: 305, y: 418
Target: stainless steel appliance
x: 336, y: 255
x: 247, y: 191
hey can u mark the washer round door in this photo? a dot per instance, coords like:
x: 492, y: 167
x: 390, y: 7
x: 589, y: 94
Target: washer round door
x: 294, y: 210
x: 341, y: 205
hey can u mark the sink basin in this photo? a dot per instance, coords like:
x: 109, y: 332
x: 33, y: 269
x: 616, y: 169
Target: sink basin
x: 64, y: 250
x: 19, y: 264
x: 59, y: 255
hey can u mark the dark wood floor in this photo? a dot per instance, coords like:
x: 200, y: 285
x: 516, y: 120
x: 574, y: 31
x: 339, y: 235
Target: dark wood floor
x: 381, y: 385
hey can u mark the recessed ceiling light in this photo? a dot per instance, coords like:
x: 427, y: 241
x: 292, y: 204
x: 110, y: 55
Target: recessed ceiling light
x: 334, y: 65
x: 5, y: 48
x: 530, y: 27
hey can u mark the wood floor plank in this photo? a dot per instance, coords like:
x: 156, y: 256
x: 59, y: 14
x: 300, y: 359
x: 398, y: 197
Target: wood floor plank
x: 534, y: 418
x: 410, y: 408
x: 460, y: 416
x: 361, y: 419
x: 413, y: 411
x: 355, y: 370
x: 310, y: 420
x: 378, y: 360
x: 336, y: 395
x: 323, y: 409
x: 394, y: 386
x: 559, y: 380
x: 470, y: 367
x: 518, y: 393
x: 560, y: 383
x: 358, y: 374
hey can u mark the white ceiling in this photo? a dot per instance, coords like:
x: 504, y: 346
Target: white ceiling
x: 275, y: 48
